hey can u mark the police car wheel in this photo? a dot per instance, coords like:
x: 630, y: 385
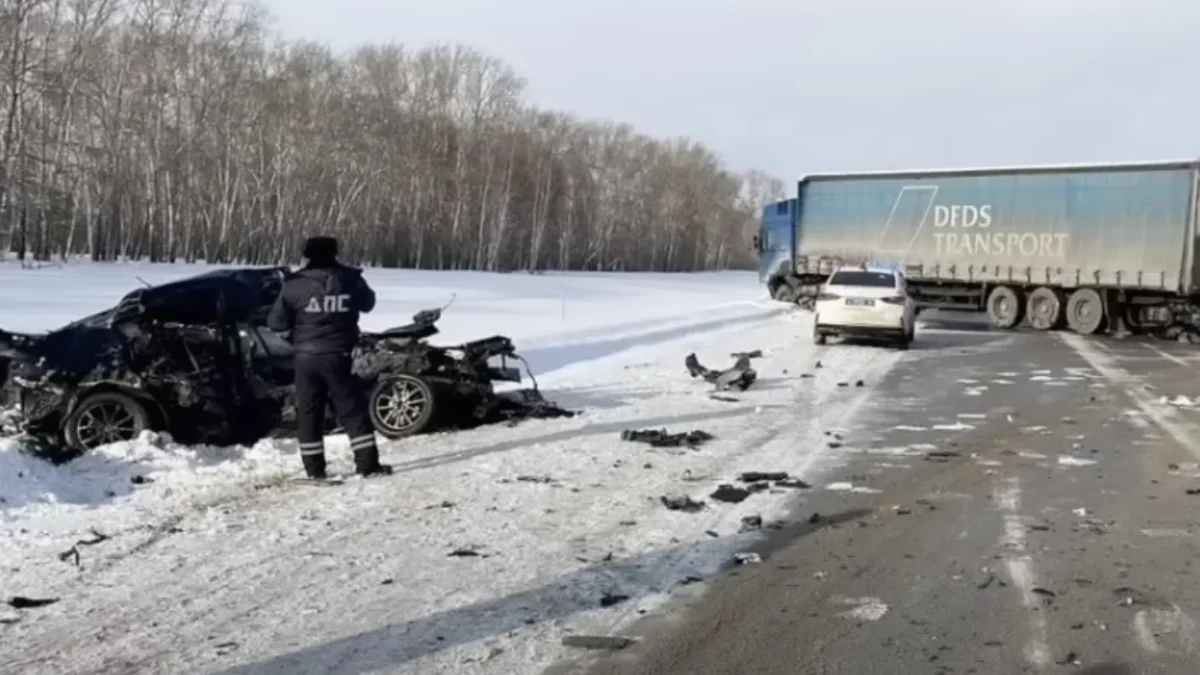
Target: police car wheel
x: 401, y: 405
x: 104, y: 418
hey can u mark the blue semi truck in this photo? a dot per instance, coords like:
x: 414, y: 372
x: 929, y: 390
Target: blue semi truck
x: 1092, y: 248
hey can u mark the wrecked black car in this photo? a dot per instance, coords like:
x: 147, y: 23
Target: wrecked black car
x: 194, y: 358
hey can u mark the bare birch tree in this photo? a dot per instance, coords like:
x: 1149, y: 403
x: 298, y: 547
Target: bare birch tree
x: 186, y: 130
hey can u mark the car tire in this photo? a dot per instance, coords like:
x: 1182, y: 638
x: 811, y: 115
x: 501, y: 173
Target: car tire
x: 819, y: 338
x: 401, y: 405
x: 121, y: 418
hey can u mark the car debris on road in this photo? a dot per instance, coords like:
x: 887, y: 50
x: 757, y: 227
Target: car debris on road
x: 740, y: 376
x: 661, y: 438
x: 682, y: 503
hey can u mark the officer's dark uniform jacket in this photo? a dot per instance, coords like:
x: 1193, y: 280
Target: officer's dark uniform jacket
x: 321, y: 306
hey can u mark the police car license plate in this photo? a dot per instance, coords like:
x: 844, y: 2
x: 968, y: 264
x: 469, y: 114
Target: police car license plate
x: 860, y: 302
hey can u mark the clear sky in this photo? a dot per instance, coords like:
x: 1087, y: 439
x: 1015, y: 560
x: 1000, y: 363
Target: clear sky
x: 831, y: 85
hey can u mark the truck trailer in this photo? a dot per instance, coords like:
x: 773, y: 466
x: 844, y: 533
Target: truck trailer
x: 1094, y: 248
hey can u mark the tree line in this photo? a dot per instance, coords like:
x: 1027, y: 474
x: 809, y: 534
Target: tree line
x: 187, y: 130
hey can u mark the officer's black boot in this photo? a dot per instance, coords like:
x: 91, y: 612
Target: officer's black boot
x: 312, y: 455
x: 366, y: 462
x: 314, y: 466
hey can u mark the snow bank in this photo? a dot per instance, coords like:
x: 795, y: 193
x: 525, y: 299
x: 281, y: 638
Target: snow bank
x: 116, y: 474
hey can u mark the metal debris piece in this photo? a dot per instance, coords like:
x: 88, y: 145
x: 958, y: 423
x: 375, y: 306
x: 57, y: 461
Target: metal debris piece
x: 751, y: 523
x: 22, y: 602
x: 661, y: 438
x: 729, y: 494
x: 682, y: 503
x: 610, y: 599
x: 756, y: 476
x: 739, y: 377
x: 72, y: 553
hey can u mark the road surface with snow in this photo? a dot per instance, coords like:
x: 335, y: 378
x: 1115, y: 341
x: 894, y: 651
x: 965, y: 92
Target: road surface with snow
x: 958, y: 526
x: 1028, y: 505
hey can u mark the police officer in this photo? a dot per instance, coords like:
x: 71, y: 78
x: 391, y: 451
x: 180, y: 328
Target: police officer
x: 320, y: 305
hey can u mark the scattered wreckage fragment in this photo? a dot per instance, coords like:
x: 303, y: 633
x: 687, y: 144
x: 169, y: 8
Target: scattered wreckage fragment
x: 194, y: 358
x: 661, y: 438
x: 739, y: 377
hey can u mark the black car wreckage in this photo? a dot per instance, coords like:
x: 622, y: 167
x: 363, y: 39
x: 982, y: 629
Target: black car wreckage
x: 194, y: 358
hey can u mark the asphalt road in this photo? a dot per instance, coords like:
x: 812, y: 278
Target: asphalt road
x: 1025, y: 510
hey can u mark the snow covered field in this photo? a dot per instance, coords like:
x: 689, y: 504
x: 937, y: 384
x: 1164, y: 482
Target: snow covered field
x: 212, y: 564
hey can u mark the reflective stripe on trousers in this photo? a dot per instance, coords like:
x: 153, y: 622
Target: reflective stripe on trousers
x: 312, y: 449
x: 365, y: 442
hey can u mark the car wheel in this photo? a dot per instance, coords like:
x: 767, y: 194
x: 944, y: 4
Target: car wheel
x: 401, y: 405
x: 819, y: 338
x: 104, y: 418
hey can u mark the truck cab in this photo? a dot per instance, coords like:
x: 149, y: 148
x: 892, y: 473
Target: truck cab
x: 774, y: 241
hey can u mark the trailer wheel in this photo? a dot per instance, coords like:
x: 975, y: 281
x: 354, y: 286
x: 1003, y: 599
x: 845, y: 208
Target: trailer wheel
x: 1004, y: 307
x: 1085, y: 311
x: 1044, y: 307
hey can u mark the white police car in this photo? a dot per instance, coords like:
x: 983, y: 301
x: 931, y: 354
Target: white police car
x: 869, y: 302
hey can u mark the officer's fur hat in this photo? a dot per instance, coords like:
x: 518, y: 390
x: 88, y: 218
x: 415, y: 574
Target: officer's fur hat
x: 320, y: 248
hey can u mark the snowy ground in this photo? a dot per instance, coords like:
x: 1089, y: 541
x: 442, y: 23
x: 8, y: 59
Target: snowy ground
x: 214, y: 565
